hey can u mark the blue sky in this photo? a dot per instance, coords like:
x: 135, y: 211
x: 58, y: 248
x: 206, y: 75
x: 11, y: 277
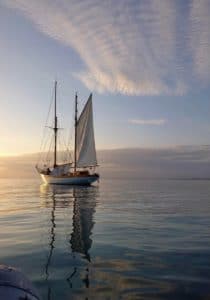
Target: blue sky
x: 146, y: 62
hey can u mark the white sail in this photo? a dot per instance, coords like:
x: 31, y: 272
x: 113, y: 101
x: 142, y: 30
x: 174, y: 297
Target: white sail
x: 86, y: 152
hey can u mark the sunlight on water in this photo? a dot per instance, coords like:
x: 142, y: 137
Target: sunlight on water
x: 123, y: 239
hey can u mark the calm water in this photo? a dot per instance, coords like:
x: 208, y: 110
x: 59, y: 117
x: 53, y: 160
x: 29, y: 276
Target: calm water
x: 125, y: 239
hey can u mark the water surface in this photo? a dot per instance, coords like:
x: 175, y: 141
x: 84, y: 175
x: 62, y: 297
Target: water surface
x: 123, y: 239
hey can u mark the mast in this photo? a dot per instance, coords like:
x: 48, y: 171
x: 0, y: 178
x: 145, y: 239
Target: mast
x: 75, y: 136
x: 55, y: 127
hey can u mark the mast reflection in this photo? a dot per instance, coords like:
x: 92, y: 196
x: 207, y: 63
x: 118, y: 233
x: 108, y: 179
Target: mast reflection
x: 50, y: 202
x: 83, y: 200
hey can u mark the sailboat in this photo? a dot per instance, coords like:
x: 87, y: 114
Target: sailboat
x: 81, y: 171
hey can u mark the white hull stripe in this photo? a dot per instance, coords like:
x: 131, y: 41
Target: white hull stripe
x: 69, y: 180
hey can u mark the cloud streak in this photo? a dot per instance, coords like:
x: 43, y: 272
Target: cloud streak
x: 156, y: 122
x: 200, y: 38
x: 129, y: 47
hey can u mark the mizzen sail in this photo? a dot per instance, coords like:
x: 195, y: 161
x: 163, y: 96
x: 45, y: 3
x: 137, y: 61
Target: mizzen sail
x: 86, y: 152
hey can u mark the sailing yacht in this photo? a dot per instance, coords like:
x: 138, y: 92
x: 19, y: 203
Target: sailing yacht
x: 80, y: 171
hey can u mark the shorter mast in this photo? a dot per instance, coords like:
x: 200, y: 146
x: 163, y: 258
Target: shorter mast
x: 75, y: 137
x: 55, y: 128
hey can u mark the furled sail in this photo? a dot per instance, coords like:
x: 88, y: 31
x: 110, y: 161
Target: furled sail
x: 61, y: 169
x: 86, y: 152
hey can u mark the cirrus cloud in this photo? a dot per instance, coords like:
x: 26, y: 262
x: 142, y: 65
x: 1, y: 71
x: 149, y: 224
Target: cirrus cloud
x: 156, y: 122
x: 129, y: 47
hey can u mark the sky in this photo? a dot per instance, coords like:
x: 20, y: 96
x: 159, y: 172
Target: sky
x: 146, y: 62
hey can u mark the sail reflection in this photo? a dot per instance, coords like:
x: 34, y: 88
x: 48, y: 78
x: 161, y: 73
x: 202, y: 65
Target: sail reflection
x: 84, y: 208
x: 82, y: 202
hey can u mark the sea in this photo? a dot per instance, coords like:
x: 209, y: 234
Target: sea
x: 121, y: 239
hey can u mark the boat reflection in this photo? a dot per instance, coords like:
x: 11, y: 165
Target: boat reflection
x: 82, y: 202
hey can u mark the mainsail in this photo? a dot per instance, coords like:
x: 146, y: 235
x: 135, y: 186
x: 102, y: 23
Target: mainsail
x: 86, y: 152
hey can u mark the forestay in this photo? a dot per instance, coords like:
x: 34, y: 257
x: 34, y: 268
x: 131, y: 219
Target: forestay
x: 86, y: 152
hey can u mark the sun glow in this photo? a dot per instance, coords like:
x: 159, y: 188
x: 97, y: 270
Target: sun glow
x: 6, y: 154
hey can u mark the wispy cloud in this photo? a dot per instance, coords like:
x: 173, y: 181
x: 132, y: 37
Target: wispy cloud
x: 200, y: 38
x: 128, y: 46
x: 156, y: 122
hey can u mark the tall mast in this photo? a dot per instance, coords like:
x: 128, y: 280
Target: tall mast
x: 75, y: 136
x: 55, y: 127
